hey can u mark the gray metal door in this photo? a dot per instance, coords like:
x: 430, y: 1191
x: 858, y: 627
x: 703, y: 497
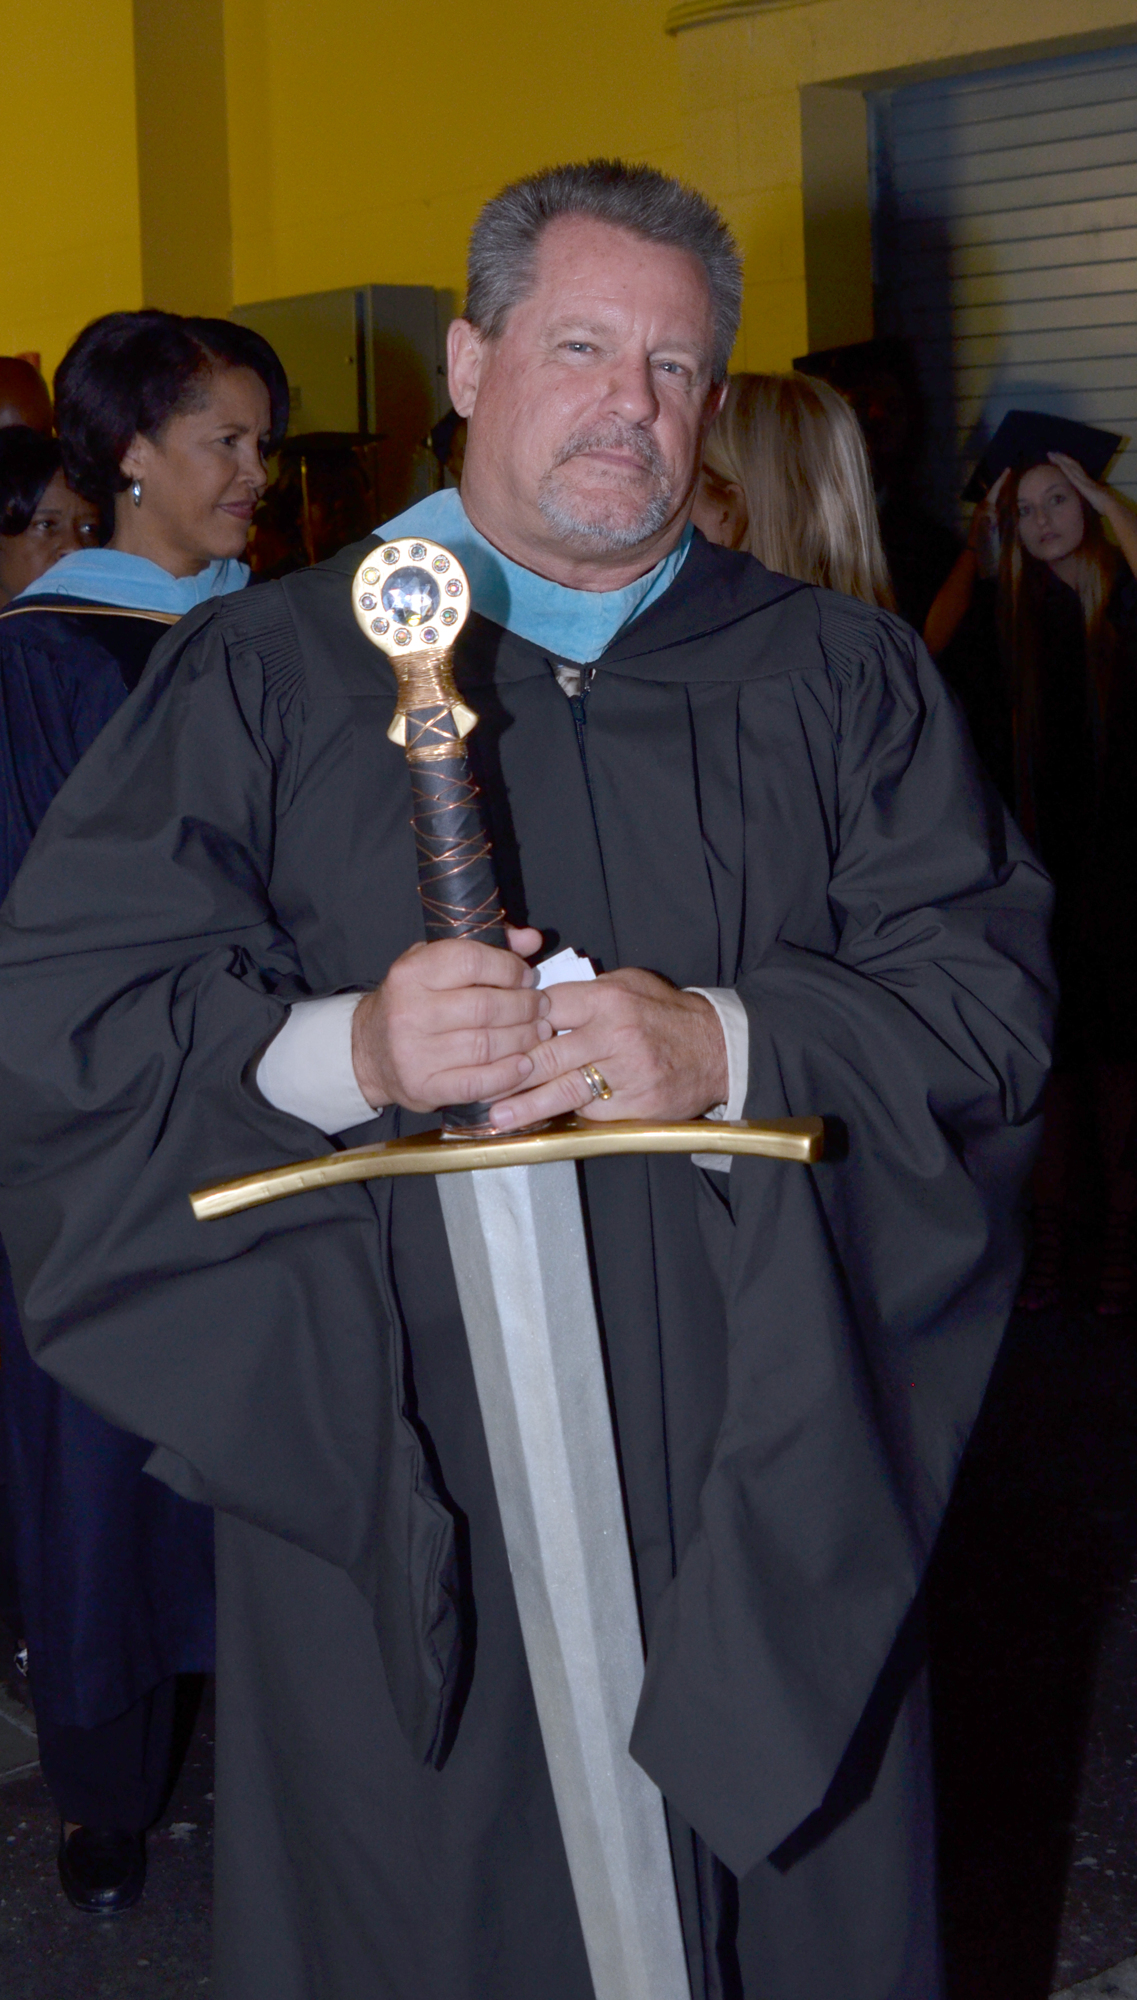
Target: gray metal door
x: 1005, y: 248
x: 371, y: 359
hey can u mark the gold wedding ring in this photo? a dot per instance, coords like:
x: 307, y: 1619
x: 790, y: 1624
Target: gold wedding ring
x: 597, y: 1084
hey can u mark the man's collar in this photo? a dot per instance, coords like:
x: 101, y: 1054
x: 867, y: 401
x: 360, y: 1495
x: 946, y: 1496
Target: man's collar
x: 717, y: 587
x: 579, y: 624
x: 712, y: 590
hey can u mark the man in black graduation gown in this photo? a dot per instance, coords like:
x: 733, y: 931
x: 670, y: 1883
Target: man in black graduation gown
x: 760, y: 815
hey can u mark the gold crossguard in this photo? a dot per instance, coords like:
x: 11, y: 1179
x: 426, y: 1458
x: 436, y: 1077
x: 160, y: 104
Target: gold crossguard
x: 571, y: 1138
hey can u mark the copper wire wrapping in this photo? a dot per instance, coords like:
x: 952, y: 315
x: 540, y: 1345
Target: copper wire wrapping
x: 455, y: 866
x: 426, y: 682
x: 431, y: 736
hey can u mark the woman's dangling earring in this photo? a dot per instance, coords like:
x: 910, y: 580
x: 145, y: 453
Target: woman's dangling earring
x: 136, y: 492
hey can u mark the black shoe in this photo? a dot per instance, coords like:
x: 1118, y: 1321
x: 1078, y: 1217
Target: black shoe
x: 102, y: 1873
x: 14, y: 1674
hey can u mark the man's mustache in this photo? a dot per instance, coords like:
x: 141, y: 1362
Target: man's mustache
x: 614, y: 437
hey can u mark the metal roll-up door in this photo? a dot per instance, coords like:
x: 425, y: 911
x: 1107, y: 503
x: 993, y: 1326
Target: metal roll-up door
x: 1005, y: 247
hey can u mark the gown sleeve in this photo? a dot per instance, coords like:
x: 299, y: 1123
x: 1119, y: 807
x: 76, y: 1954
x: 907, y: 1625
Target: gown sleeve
x: 54, y: 700
x: 926, y: 1029
x: 142, y: 972
x: 867, y: 1297
x: 930, y: 1021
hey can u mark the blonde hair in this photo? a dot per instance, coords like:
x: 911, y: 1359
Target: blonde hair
x: 795, y: 448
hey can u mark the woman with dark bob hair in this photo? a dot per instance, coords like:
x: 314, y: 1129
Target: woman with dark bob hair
x: 42, y: 518
x: 164, y: 427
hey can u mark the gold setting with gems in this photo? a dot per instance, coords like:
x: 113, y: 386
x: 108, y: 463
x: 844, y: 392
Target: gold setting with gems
x: 411, y: 598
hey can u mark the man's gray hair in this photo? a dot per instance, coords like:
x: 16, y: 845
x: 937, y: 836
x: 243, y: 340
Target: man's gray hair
x: 504, y: 243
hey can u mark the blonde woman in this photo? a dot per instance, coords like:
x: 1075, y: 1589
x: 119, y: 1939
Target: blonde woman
x: 786, y: 476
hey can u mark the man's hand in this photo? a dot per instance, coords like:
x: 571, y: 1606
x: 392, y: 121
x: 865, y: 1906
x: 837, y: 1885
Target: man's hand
x: 661, y: 1051
x: 453, y: 1023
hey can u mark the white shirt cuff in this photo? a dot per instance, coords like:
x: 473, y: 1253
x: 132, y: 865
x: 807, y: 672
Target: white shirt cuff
x: 307, y: 1068
x: 736, y: 1034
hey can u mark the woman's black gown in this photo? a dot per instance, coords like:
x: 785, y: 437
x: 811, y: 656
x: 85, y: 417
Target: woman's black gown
x: 114, y: 1571
x: 1076, y: 798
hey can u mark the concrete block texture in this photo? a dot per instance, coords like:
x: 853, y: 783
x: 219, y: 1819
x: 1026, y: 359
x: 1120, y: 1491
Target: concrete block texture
x: 1120, y: 1983
x: 757, y: 130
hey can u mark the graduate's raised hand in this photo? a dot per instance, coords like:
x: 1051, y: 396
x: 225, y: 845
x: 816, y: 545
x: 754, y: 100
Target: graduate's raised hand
x: 1099, y: 496
x: 1105, y: 500
x: 452, y: 1023
x: 983, y: 535
x: 660, y: 1051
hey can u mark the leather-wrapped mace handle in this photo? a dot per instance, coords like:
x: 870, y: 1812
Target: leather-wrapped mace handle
x: 411, y: 598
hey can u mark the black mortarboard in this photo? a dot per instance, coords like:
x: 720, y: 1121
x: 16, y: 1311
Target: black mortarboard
x: 1025, y: 436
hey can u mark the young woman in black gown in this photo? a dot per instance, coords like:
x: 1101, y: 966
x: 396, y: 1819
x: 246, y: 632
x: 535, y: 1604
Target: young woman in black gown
x: 165, y: 424
x: 1067, y: 615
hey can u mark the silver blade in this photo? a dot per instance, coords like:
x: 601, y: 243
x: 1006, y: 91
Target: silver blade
x: 521, y: 1263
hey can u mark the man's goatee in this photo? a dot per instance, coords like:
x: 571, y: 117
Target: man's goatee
x: 594, y: 529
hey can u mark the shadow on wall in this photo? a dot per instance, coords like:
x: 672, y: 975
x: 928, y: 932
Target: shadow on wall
x: 912, y: 273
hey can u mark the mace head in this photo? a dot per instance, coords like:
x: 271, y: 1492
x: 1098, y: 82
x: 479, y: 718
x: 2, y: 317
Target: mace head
x: 411, y: 597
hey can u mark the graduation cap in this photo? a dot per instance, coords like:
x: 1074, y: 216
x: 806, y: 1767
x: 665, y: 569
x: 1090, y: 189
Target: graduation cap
x: 1026, y: 436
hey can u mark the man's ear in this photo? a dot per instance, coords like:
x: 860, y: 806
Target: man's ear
x: 465, y: 347
x: 716, y: 397
x: 715, y: 401
x: 736, y: 519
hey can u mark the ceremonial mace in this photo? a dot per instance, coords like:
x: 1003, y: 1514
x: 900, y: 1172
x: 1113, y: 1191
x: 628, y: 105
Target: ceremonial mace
x: 520, y: 1256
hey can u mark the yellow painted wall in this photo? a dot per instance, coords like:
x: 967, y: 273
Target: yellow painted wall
x: 742, y: 78
x: 68, y: 168
x: 350, y: 160
x: 361, y: 145
x: 182, y: 120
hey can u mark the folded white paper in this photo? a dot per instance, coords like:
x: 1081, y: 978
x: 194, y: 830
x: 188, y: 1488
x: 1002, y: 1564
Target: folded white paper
x: 564, y: 966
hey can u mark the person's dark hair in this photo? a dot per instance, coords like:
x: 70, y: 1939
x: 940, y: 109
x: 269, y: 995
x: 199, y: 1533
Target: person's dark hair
x: 128, y: 373
x: 504, y: 241
x: 29, y: 462
x: 443, y: 435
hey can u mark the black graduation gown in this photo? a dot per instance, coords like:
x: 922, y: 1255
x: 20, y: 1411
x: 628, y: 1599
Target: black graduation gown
x: 114, y: 1571
x: 1077, y: 789
x: 777, y: 795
